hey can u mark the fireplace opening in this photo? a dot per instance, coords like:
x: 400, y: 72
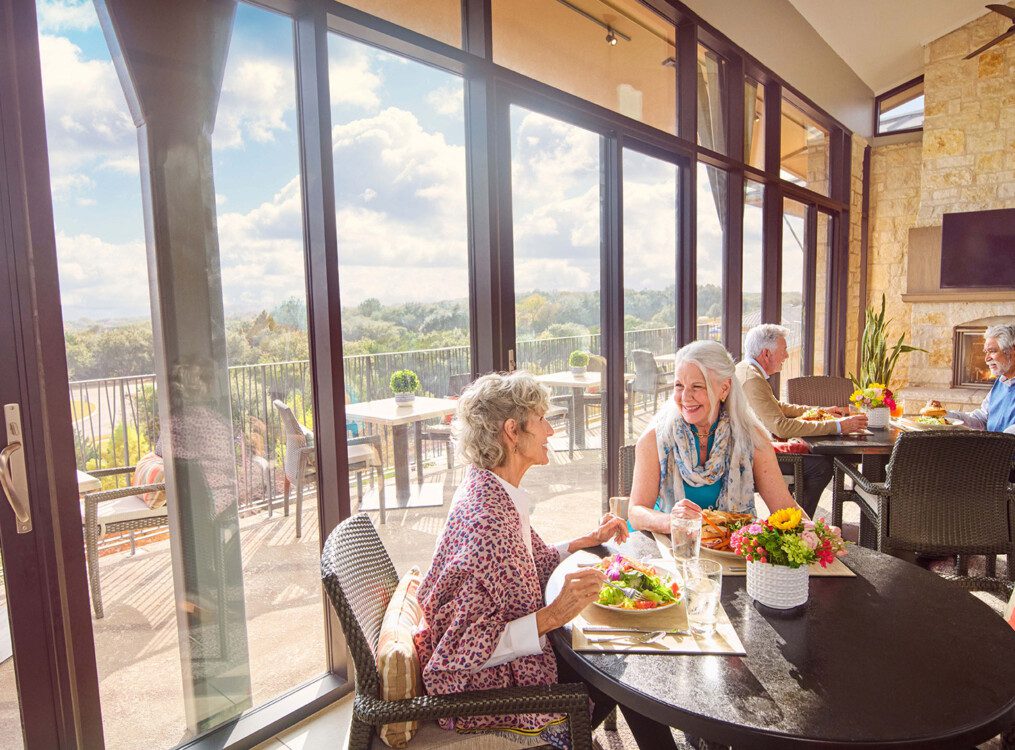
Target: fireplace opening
x: 968, y: 368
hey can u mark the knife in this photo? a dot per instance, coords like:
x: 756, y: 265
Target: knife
x: 608, y: 629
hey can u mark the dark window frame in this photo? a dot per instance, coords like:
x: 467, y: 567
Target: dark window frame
x: 880, y: 99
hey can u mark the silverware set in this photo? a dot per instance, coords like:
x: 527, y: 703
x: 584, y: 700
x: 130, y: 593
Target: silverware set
x: 634, y: 636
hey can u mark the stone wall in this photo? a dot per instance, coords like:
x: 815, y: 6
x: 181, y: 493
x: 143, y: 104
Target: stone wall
x: 965, y: 161
x: 855, y: 224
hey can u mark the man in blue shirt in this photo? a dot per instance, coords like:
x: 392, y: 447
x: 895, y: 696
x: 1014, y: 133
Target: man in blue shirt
x: 997, y: 412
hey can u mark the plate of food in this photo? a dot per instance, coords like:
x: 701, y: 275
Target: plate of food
x: 656, y: 584
x: 818, y: 414
x: 933, y: 416
x: 717, y: 526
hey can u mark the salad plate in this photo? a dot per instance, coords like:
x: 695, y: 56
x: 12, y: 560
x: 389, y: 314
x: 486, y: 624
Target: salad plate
x: 655, y: 583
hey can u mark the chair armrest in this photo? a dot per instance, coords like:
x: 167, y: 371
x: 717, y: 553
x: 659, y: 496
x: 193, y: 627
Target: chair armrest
x: 102, y: 496
x: 790, y: 459
x: 859, y: 480
x: 567, y: 698
x: 97, y: 473
x: 364, y: 440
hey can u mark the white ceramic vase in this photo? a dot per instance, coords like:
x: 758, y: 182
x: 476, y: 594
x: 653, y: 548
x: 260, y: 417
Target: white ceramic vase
x: 777, y: 586
x: 578, y: 371
x: 879, y: 417
x: 404, y: 399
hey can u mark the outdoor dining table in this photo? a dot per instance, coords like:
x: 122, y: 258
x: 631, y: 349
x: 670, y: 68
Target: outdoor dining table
x: 389, y: 414
x: 896, y: 656
x: 577, y: 384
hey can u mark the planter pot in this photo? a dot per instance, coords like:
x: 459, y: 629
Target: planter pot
x: 578, y: 371
x: 878, y: 418
x: 777, y: 586
x: 404, y: 399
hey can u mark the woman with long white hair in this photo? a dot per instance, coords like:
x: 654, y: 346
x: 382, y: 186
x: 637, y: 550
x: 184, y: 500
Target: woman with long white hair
x: 705, y: 448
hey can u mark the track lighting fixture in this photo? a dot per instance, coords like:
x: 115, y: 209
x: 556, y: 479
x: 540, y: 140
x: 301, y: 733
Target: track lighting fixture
x: 611, y: 38
x: 612, y: 35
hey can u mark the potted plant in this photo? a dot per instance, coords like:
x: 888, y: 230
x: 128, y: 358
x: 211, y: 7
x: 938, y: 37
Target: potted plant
x: 578, y: 361
x: 778, y: 551
x: 877, y: 358
x: 877, y: 401
x: 404, y: 384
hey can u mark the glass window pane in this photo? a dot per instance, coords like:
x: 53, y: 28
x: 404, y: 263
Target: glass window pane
x: 753, y: 269
x: 403, y: 268
x: 794, y: 217
x: 438, y: 19
x: 754, y: 123
x: 195, y: 612
x: 901, y: 111
x: 650, y: 262
x: 822, y: 278
x: 711, y: 107
x: 804, y: 150
x: 555, y: 191
x: 568, y: 48
x: 712, y: 223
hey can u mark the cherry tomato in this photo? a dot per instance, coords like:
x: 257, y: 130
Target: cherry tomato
x: 675, y: 589
x: 645, y: 605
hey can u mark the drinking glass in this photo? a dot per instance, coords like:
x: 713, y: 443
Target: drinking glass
x: 702, y: 587
x: 685, y: 535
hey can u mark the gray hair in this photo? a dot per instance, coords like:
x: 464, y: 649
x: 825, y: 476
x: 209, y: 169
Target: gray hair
x: 716, y: 363
x: 764, y: 336
x: 1003, y: 334
x: 486, y: 405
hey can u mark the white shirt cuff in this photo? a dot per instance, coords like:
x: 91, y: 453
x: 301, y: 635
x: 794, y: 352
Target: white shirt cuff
x: 838, y: 428
x: 562, y: 550
x: 520, y: 638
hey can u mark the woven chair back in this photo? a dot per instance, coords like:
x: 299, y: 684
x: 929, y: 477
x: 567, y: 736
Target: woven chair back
x: 360, y: 579
x: 819, y: 390
x: 290, y: 425
x: 625, y: 460
x: 458, y: 383
x: 597, y: 363
x: 646, y: 371
x: 949, y: 492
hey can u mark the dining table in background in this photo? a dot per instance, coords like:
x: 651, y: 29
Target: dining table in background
x: 577, y: 384
x: 389, y: 414
x: 88, y: 483
x: 896, y: 656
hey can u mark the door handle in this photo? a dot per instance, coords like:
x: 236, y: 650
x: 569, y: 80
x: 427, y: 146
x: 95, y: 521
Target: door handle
x: 13, y: 478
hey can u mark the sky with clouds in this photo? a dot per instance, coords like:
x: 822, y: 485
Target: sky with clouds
x: 399, y: 157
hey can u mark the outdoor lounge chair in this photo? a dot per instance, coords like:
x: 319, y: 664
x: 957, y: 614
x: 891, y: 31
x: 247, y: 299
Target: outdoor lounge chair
x: 360, y: 578
x: 946, y: 493
x: 114, y: 512
x: 300, y: 462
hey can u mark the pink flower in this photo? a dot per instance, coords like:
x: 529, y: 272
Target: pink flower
x: 755, y: 528
x: 835, y: 530
x: 841, y: 553
x: 808, y: 525
x: 809, y: 538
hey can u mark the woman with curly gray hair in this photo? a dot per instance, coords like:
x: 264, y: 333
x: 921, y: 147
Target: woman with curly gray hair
x: 482, y: 599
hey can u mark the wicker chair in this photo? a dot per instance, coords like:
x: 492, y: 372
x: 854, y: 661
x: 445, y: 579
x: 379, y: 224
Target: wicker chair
x: 113, y: 512
x: 441, y: 432
x: 360, y: 578
x: 301, y: 462
x: 648, y: 379
x: 946, y: 492
x: 819, y: 390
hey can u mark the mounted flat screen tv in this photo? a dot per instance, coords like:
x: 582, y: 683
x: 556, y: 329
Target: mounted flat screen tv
x: 978, y: 249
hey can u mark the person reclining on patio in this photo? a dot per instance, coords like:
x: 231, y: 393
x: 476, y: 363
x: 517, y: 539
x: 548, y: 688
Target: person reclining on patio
x: 764, y: 354
x: 705, y: 448
x: 997, y: 412
x: 484, y: 621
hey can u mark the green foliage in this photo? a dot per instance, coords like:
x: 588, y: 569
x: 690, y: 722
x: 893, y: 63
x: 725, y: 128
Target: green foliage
x: 104, y: 352
x: 404, y: 381
x: 117, y: 451
x: 578, y: 358
x: 877, y: 357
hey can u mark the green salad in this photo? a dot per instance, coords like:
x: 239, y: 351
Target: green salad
x: 658, y: 589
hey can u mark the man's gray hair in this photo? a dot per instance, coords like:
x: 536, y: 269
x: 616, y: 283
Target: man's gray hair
x: 765, y: 336
x: 1003, y: 334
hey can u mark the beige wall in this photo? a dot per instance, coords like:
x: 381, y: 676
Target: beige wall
x: 775, y: 33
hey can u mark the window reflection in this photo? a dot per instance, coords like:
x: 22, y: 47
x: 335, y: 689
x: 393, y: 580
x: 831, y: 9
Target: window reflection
x: 754, y: 123
x: 711, y: 90
x: 753, y: 266
x: 822, y: 278
x: 794, y: 219
x: 712, y: 224
x: 804, y: 150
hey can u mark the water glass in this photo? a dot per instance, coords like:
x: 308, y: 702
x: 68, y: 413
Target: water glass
x: 702, y: 587
x: 685, y: 535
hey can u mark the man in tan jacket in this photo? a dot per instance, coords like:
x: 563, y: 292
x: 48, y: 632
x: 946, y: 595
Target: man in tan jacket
x: 764, y: 354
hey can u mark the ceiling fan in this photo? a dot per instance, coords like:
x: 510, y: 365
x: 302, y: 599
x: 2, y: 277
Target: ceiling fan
x: 1005, y: 11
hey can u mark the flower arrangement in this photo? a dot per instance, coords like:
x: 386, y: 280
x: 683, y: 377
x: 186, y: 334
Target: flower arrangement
x: 873, y: 396
x: 786, y: 538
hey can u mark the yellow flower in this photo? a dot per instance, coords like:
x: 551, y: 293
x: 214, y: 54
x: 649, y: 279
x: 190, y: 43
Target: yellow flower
x: 786, y: 519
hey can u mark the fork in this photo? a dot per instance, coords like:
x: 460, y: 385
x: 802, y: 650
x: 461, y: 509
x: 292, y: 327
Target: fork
x: 641, y: 639
x: 628, y: 592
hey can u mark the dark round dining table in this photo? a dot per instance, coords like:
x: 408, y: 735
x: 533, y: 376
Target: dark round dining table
x: 895, y: 657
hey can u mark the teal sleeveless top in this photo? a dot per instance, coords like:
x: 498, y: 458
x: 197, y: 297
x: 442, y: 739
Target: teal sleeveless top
x: 705, y: 496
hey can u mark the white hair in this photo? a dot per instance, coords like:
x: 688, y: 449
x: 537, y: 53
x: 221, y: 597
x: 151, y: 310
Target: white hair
x: 1003, y: 334
x: 762, y: 337
x: 716, y: 363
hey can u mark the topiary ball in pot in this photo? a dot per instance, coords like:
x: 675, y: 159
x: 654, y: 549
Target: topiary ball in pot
x: 404, y: 384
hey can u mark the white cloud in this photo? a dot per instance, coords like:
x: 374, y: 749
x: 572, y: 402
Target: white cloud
x: 351, y: 79
x: 66, y: 15
x: 448, y: 100
x: 100, y: 279
x: 257, y: 94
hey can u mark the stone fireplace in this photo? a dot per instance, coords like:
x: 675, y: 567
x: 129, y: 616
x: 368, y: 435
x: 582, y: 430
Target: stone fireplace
x: 968, y: 368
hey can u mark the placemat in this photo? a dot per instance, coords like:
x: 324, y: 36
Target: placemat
x: 724, y: 641
x: 732, y: 566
